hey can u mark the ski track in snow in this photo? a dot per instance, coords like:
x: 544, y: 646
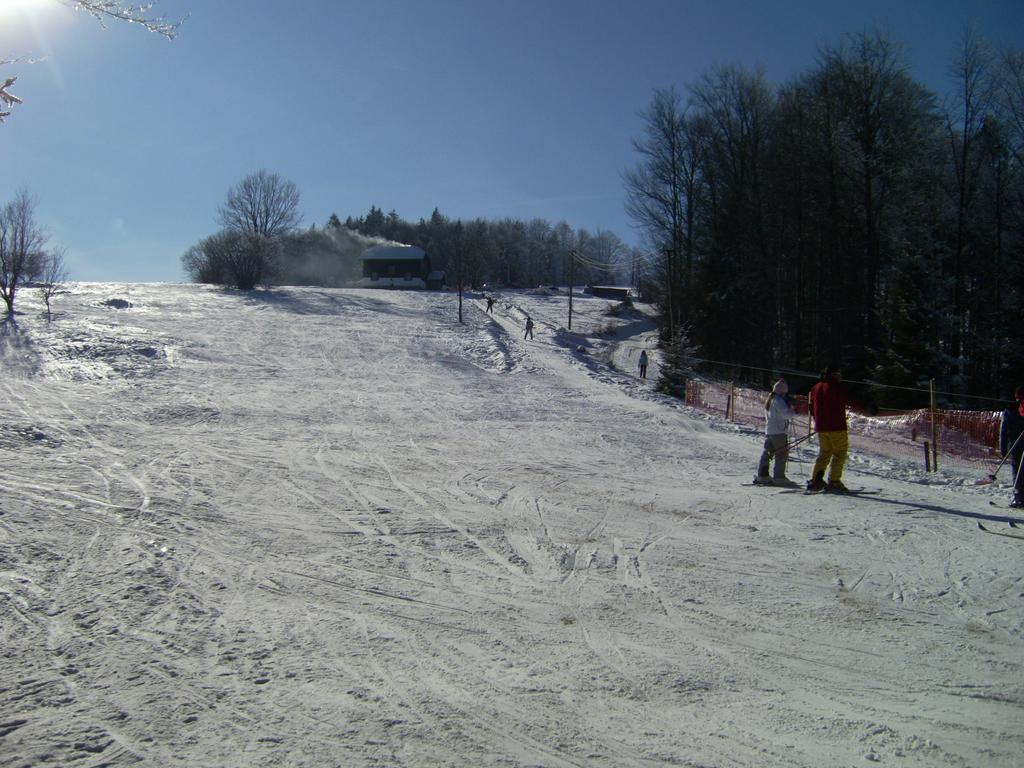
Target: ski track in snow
x: 313, y: 527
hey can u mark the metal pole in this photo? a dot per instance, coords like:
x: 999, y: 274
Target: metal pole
x: 572, y: 264
x: 935, y: 428
x: 458, y: 261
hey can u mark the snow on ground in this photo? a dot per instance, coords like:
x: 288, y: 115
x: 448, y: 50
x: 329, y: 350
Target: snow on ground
x: 316, y: 527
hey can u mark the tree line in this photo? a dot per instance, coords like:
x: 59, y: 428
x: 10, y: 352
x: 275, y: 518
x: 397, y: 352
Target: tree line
x: 509, y: 252
x: 848, y: 216
x: 260, y: 243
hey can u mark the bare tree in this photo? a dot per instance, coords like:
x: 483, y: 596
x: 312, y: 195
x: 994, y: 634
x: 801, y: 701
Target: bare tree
x: 52, y: 275
x: 1010, y: 85
x: 261, y: 204
x: 202, y: 264
x: 661, y: 192
x: 22, y: 241
x: 609, y: 257
x: 240, y: 259
x: 258, y: 217
x: 965, y: 123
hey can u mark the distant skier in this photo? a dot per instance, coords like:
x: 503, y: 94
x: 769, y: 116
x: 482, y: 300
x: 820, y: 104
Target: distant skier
x: 643, y: 364
x: 1011, y: 429
x: 777, y: 414
x: 828, y: 403
x: 528, y: 333
x: 490, y: 304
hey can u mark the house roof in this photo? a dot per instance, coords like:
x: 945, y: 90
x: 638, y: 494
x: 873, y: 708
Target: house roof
x: 393, y: 253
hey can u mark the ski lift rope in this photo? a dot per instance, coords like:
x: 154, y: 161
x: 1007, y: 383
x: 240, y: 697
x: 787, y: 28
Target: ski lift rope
x: 811, y: 375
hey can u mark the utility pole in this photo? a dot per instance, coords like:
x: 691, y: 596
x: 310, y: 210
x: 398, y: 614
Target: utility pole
x: 572, y: 262
x: 458, y: 261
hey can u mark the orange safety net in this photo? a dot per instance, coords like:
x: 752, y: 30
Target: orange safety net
x: 968, y: 439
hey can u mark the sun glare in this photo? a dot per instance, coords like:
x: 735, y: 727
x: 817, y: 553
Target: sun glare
x: 26, y: 7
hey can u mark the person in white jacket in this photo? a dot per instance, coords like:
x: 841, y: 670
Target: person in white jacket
x: 778, y: 413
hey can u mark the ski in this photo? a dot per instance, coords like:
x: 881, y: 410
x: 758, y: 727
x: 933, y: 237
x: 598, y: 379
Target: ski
x: 794, y: 487
x: 783, y: 487
x: 798, y: 488
x: 1002, y: 505
x: 1001, y: 533
x: 849, y: 492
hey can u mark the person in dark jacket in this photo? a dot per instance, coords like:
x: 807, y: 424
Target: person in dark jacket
x: 828, y: 402
x: 1011, y: 427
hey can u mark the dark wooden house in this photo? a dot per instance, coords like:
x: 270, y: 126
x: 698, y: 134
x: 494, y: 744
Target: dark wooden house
x: 395, y: 266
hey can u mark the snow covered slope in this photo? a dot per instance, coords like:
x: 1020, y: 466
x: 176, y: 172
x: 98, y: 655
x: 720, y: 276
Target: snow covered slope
x: 337, y: 528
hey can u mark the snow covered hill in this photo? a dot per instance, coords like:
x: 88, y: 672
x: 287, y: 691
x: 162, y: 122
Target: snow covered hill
x: 315, y: 527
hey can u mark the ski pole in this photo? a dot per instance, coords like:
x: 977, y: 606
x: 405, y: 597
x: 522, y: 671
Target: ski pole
x: 992, y: 475
x: 799, y: 440
x: 1016, y: 478
x: 789, y: 448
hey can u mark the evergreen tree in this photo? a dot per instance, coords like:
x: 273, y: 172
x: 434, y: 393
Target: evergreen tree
x: 373, y: 224
x: 679, y: 362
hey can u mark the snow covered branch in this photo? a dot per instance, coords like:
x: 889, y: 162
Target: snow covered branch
x: 101, y: 10
x: 9, y: 99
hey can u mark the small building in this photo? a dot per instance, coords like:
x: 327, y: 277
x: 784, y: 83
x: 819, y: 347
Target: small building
x: 436, y: 280
x: 607, y: 291
x: 395, y: 266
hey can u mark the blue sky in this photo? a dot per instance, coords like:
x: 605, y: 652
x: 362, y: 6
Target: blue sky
x: 482, y: 108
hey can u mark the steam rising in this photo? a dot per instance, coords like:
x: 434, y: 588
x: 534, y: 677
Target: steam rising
x: 327, y: 257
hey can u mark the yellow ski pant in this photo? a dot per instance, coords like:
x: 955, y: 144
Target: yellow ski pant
x: 832, y: 446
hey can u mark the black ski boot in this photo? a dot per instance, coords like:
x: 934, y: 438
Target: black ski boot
x: 816, y: 484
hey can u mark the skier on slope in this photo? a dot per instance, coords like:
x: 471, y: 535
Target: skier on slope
x: 828, y: 402
x: 528, y: 332
x: 643, y: 364
x: 1011, y: 427
x: 777, y: 415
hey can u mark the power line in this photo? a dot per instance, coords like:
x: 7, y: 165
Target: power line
x: 811, y: 375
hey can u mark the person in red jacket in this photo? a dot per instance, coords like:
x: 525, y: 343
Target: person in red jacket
x: 1011, y: 445
x: 828, y: 402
